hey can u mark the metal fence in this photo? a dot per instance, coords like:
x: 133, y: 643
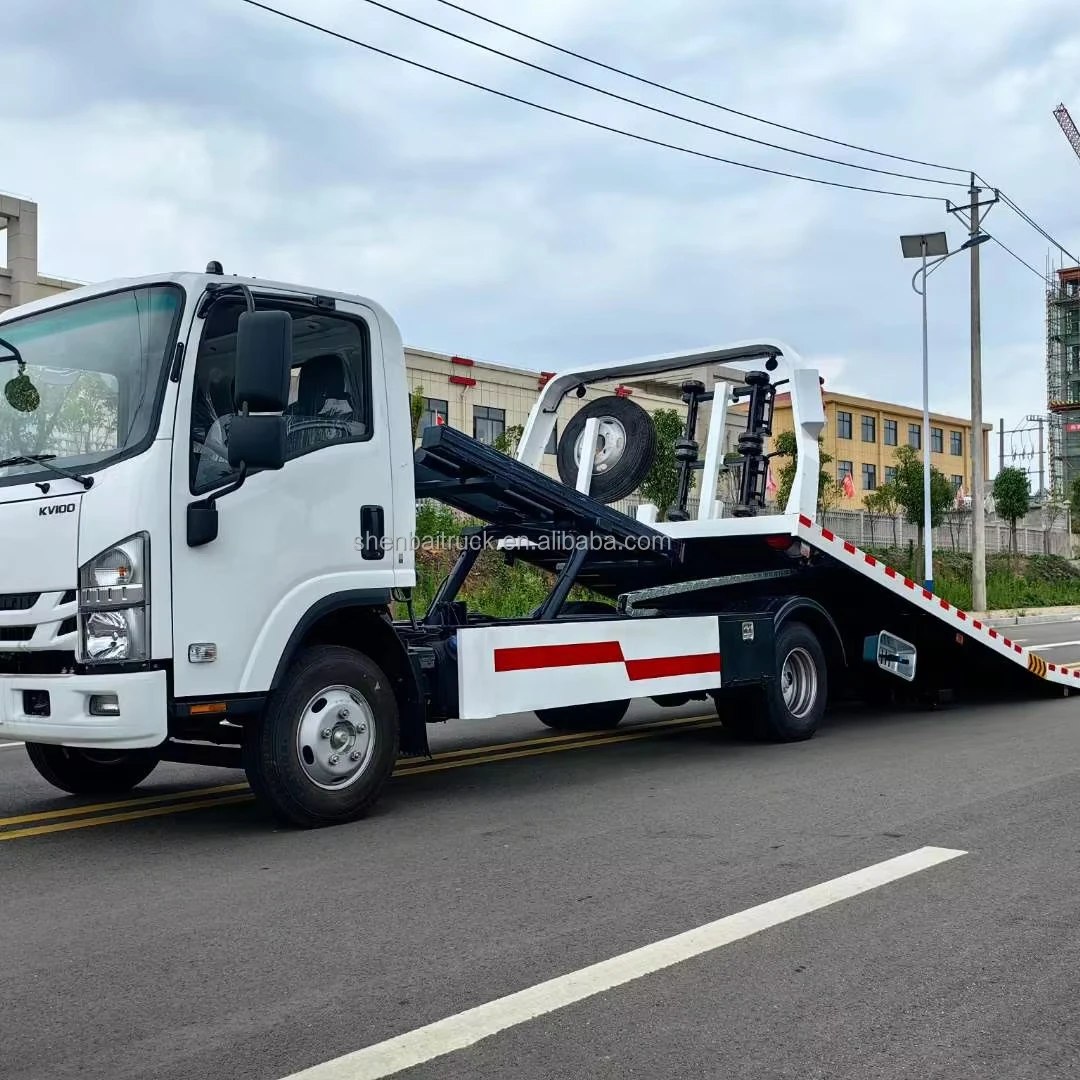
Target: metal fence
x: 1038, y: 534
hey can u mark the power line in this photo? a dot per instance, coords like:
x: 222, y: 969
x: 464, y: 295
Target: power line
x: 580, y: 119
x: 694, y: 97
x: 1036, y: 226
x: 1023, y: 262
x: 651, y: 108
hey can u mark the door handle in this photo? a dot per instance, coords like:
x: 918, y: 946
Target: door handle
x: 372, y: 532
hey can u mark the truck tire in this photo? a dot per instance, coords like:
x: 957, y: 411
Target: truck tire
x: 327, y: 741
x: 789, y: 707
x: 626, y: 445
x: 595, y: 716
x: 92, y: 772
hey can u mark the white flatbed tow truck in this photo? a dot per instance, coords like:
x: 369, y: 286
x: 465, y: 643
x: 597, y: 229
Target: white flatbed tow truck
x: 208, y: 493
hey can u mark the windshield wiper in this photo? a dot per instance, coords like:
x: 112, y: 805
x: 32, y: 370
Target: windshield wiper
x: 43, y: 460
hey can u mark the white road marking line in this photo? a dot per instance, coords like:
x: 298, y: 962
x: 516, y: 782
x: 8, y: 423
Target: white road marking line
x: 10, y: 745
x: 1036, y: 646
x: 469, y: 1027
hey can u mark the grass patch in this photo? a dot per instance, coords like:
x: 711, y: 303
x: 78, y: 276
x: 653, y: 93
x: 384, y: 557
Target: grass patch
x: 1012, y: 581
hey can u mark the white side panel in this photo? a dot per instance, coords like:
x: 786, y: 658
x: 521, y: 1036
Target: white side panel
x: 504, y: 669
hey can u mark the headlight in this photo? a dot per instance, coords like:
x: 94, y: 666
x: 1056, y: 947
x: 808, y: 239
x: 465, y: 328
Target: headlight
x: 114, y: 595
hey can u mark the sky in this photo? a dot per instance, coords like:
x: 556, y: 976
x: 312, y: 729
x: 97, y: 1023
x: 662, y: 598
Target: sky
x: 159, y: 134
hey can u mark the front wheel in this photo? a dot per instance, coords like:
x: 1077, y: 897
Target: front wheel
x: 92, y: 772
x: 328, y: 740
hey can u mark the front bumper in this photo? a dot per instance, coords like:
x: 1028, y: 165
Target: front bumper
x: 142, y: 720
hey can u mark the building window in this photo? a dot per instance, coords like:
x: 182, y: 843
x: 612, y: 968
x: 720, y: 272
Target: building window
x: 436, y: 412
x: 914, y: 435
x: 956, y: 443
x: 890, y: 433
x: 890, y: 474
x: 957, y: 482
x: 844, y: 468
x: 843, y: 425
x: 869, y: 429
x: 1074, y: 357
x: 869, y: 476
x: 937, y: 440
x: 488, y: 423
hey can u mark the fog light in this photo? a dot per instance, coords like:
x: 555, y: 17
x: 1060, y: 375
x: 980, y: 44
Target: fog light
x: 104, y: 705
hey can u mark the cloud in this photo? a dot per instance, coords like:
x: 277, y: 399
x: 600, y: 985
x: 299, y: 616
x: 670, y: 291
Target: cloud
x: 161, y: 135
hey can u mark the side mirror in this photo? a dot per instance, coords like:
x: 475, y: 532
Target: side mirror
x: 257, y: 442
x: 263, y: 362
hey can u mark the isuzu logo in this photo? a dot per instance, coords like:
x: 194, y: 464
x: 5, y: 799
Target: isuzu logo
x: 56, y: 508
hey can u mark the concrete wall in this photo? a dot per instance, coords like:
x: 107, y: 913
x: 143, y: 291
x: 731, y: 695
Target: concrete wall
x: 20, y: 282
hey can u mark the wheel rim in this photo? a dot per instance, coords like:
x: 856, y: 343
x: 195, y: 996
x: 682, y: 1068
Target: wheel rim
x: 610, y: 445
x: 335, y: 740
x: 799, y: 682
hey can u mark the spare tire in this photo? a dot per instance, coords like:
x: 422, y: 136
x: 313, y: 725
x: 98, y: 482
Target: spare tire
x: 625, y: 447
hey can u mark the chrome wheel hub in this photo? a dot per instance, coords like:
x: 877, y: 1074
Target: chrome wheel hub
x: 610, y: 445
x: 335, y: 741
x: 799, y: 682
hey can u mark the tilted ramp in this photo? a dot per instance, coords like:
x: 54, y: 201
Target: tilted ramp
x: 951, y: 617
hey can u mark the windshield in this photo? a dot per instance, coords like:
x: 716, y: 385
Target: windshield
x: 80, y: 382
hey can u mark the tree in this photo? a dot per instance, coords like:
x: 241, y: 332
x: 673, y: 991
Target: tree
x: 882, y: 500
x: 661, y: 483
x: 786, y: 446
x: 909, y: 490
x: 1074, y: 503
x: 1012, y: 498
x: 416, y: 410
x: 507, y: 440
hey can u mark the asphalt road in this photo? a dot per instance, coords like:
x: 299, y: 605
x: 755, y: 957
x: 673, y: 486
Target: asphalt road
x: 208, y: 944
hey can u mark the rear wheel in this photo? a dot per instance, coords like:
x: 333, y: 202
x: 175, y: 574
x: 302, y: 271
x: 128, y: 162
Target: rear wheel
x: 328, y: 740
x: 92, y: 772
x: 789, y: 707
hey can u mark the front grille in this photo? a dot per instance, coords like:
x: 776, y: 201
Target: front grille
x: 45, y: 662
x: 20, y: 601
x: 16, y: 633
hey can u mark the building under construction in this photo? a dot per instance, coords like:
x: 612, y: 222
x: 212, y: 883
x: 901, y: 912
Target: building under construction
x: 1063, y: 377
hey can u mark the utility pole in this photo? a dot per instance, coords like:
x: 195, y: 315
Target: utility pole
x: 978, y: 494
x: 1001, y: 443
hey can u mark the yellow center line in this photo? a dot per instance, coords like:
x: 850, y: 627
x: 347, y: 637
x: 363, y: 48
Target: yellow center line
x: 122, y: 804
x: 108, y: 819
x: 549, y: 740
x: 406, y: 765
x: 190, y: 800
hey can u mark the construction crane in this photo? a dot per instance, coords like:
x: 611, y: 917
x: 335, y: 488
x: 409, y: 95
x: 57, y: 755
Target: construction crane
x: 1061, y: 115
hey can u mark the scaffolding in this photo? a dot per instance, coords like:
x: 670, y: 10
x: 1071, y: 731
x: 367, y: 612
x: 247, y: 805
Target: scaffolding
x: 1063, y: 377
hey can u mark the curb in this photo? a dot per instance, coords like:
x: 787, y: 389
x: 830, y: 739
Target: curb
x: 1007, y: 618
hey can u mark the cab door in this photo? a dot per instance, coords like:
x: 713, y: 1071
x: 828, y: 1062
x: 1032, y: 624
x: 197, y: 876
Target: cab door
x: 289, y: 542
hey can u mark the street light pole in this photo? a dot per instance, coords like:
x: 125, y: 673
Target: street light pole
x: 919, y: 246
x: 928, y: 546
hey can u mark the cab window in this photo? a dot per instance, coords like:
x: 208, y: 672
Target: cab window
x: 330, y: 389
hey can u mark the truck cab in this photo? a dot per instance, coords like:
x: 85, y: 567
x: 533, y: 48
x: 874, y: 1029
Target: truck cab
x: 155, y: 589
